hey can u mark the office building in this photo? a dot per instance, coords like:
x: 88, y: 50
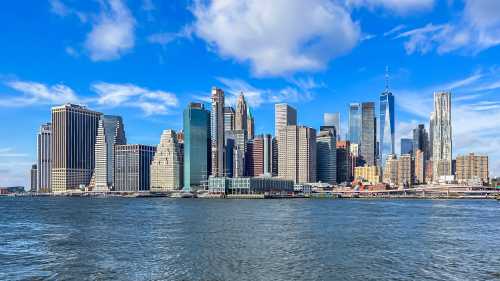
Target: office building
x: 441, y: 136
x: 387, y: 125
x: 44, y: 158
x: 249, y: 185
x: 406, y: 146
x: 166, y: 167
x: 345, y: 166
x: 284, y: 115
x: 472, y: 169
x: 238, y: 152
x: 196, y: 145
x: 405, y: 171
x: 275, y: 157
x: 390, y: 174
x: 74, y: 130
x: 109, y: 133
x: 368, y: 134
x: 33, y: 178
x: 297, y: 154
x: 354, y: 135
x: 255, y: 157
x: 333, y: 119
x: 419, y: 166
x: 229, y: 118
x: 421, y: 141
x: 241, y: 113
x: 132, y: 167
x: 368, y: 174
x: 250, y: 124
x: 217, y: 132
x: 326, y: 156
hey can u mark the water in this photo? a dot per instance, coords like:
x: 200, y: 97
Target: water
x: 195, y: 239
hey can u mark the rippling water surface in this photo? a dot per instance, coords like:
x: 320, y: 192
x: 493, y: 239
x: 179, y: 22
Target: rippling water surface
x: 195, y: 239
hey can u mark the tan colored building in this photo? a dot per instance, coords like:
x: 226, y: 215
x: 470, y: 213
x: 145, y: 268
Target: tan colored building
x: 405, y: 170
x: 419, y: 167
x: 368, y: 174
x: 472, y: 167
x: 297, y: 154
x: 390, y: 174
x: 284, y: 115
x: 166, y: 167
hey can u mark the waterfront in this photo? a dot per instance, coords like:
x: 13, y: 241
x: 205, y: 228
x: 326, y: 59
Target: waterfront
x: 63, y: 238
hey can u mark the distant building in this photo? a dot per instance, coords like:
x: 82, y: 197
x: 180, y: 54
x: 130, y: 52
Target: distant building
x: 33, y: 177
x: 241, y: 113
x: 390, y: 174
x: 297, y: 154
x: 110, y: 132
x: 368, y: 134
x: 275, y: 157
x: 345, y: 166
x: 354, y: 135
x: 387, y: 125
x: 229, y: 117
x: 368, y: 174
x: 421, y: 141
x: 472, y: 168
x: 250, y: 124
x: 240, y: 139
x: 196, y: 145
x: 259, y: 156
x: 406, y: 146
x: 44, y: 158
x: 284, y: 115
x: 326, y: 165
x: 333, y: 119
x: 420, y: 167
x: 217, y: 131
x: 405, y: 171
x: 166, y: 167
x: 441, y: 136
x: 250, y: 185
x: 132, y: 167
x: 74, y: 130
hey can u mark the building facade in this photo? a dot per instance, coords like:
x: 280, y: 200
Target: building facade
x: 326, y: 156
x: 441, y: 136
x: 297, y: 154
x: 345, y: 167
x: 405, y: 171
x: 33, y: 178
x: 217, y: 132
x: 74, y: 130
x: 406, y: 146
x: 132, y: 167
x: 390, y: 174
x: 333, y: 119
x: 284, y: 115
x: 196, y: 145
x: 166, y: 168
x: 368, y: 134
x: 110, y: 132
x: 229, y: 118
x: 387, y: 125
x: 421, y: 141
x: 354, y: 135
x: 369, y: 174
x: 44, y: 158
x: 470, y: 168
x: 419, y: 167
x: 241, y: 113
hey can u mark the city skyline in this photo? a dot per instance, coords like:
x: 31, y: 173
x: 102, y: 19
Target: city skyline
x: 68, y: 69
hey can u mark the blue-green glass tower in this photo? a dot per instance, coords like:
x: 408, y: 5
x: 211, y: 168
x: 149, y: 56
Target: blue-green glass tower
x: 196, y: 143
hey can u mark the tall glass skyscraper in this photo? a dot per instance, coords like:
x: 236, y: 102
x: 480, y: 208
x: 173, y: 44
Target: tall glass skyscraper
x: 196, y: 143
x: 367, y: 147
x: 387, y: 126
x: 354, y: 135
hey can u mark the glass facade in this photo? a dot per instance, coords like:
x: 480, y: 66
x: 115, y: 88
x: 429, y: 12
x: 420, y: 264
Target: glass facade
x: 354, y: 123
x: 387, y: 126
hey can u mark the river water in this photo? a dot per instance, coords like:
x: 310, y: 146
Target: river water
x: 200, y: 239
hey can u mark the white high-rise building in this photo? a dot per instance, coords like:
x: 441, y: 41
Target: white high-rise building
x: 297, y: 154
x: 110, y: 132
x: 44, y: 158
x: 166, y: 168
x: 441, y: 136
x: 217, y: 132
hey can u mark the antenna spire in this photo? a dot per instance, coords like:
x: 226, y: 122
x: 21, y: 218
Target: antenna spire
x: 387, y: 78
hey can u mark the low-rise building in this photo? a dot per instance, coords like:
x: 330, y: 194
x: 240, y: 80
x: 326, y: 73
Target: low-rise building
x: 368, y: 174
x: 249, y: 185
x: 472, y: 168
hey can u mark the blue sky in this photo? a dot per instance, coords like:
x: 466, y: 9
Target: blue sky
x: 146, y: 59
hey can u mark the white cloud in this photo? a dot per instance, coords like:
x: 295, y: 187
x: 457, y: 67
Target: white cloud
x: 277, y: 37
x: 34, y: 93
x: 395, y: 29
x: 113, y: 34
x: 11, y: 153
x: 402, y: 7
x: 59, y: 8
x: 477, y: 29
x: 150, y: 102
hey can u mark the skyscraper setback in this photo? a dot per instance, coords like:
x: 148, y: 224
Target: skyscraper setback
x: 217, y: 131
x: 441, y: 136
x: 74, y: 130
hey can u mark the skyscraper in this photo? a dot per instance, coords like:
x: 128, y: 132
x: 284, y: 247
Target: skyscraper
x: 238, y: 153
x: 240, y: 121
x: 74, y: 130
x: 406, y: 146
x: 250, y: 124
x: 326, y: 156
x: 196, y: 143
x: 344, y: 162
x: 387, y: 125
x: 217, y: 132
x: 333, y: 119
x: 44, y: 158
x: 442, y: 136
x: 132, y: 167
x: 255, y: 157
x: 354, y: 135
x: 421, y: 141
x: 368, y: 133
x: 405, y: 171
x: 229, y: 116
x: 268, y: 154
x: 33, y: 178
x: 284, y: 115
x: 109, y: 133
x: 166, y: 167
x: 297, y: 154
